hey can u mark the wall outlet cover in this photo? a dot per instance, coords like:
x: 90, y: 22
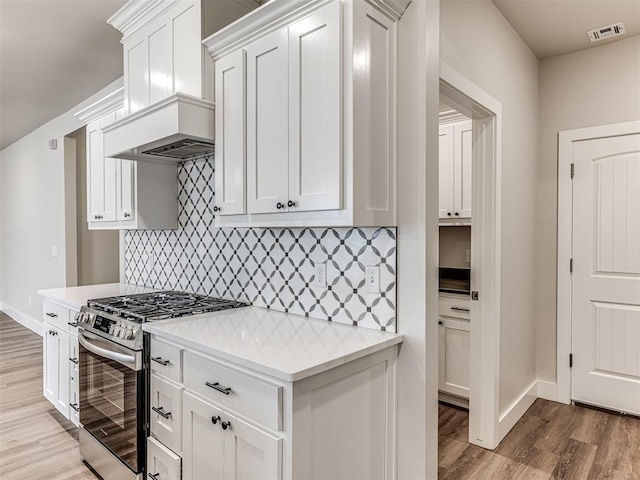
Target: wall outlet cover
x: 372, y: 279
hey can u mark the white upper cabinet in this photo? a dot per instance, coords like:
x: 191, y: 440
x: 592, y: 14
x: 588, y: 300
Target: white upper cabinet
x: 456, y: 145
x: 314, y: 131
x: 122, y: 194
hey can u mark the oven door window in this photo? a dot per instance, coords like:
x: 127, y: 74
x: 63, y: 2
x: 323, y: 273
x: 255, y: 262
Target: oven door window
x: 109, y: 404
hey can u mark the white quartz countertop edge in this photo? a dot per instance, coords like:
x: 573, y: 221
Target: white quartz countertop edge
x: 248, y: 361
x: 77, y: 297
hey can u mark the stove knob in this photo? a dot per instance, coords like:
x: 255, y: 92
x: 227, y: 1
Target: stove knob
x: 129, y: 333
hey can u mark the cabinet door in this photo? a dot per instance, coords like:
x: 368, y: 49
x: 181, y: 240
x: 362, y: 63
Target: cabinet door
x: 166, y: 412
x: 101, y: 174
x: 56, y: 368
x: 446, y: 208
x: 230, y: 134
x: 315, y: 111
x: 267, y: 124
x: 202, y: 440
x: 250, y: 453
x: 162, y: 463
x: 462, y: 167
x: 454, y: 358
x: 126, y: 189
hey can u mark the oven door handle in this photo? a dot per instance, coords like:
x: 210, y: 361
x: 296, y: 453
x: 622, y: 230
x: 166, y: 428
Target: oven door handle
x: 85, y: 339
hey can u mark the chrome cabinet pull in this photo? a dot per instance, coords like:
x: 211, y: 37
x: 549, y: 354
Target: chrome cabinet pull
x: 218, y: 387
x: 161, y: 361
x: 72, y: 324
x: 52, y: 315
x: 154, y: 476
x: 161, y: 412
x: 74, y: 360
x: 74, y: 406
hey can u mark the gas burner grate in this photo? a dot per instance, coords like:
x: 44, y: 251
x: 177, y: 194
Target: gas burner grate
x: 148, y: 307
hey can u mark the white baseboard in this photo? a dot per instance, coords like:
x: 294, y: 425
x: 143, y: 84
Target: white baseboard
x: 25, y: 320
x: 515, y: 411
x: 548, y: 390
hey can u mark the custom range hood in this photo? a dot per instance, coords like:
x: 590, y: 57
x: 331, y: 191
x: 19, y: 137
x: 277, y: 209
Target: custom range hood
x: 168, y: 77
x: 176, y: 128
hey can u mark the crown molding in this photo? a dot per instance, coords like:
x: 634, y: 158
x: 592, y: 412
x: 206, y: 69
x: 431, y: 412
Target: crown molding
x: 111, y: 103
x: 451, y: 116
x: 393, y: 9
x: 138, y: 13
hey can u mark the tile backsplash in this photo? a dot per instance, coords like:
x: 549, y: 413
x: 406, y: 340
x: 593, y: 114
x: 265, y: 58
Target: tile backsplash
x: 267, y: 267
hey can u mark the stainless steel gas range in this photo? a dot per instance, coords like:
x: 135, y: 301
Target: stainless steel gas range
x: 114, y: 365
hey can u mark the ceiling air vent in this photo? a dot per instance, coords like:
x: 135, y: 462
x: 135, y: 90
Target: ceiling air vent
x: 606, y: 32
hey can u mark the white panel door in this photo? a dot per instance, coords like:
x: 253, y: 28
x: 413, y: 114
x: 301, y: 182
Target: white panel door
x: 125, y: 188
x: 606, y: 276
x: 446, y: 171
x: 136, y: 88
x: 250, y: 453
x: 454, y: 356
x: 160, y: 64
x: 462, y: 169
x: 56, y: 368
x: 267, y: 124
x: 230, y: 134
x: 95, y: 173
x: 315, y: 111
x: 202, y: 440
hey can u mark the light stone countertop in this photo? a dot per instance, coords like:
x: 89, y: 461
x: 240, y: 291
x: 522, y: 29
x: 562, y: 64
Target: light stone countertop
x: 284, y: 346
x: 76, y: 297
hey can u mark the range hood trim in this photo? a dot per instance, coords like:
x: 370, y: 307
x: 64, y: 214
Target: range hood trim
x: 175, y: 118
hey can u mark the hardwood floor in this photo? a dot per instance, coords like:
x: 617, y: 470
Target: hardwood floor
x: 36, y: 441
x: 551, y: 441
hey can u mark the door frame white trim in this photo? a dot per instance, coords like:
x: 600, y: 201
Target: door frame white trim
x: 484, y: 419
x: 566, y: 139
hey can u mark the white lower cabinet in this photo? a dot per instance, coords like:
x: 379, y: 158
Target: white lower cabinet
x: 162, y: 463
x: 454, y: 357
x: 218, y: 445
x: 239, y: 423
x: 56, y: 367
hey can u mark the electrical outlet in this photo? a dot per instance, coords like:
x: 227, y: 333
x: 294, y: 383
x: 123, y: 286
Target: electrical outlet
x: 54, y: 251
x: 321, y: 275
x: 468, y: 256
x: 372, y: 279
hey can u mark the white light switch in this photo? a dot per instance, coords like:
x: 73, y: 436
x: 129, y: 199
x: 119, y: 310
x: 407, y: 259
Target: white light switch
x: 372, y: 279
x: 54, y: 251
x: 321, y: 275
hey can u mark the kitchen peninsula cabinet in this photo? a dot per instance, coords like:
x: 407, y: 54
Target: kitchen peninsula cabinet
x: 124, y: 194
x: 305, y: 114
x: 315, y: 400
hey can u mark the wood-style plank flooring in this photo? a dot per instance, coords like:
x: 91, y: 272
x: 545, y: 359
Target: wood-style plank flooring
x: 36, y: 441
x: 551, y: 441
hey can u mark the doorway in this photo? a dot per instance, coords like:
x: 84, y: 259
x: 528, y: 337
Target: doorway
x: 599, y: 267
x: 486, y: 429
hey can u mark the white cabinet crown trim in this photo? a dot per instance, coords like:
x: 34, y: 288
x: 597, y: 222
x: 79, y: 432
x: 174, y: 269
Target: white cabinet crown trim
x: 134, y: 15
x: 109, y: 104
x: 276, y: 14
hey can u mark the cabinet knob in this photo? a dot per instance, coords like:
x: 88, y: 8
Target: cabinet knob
x: 457, y: 214
x: 226, y: 425
x: 439, y: 322
x: 215, y: 419
x: 216, y: 209
x: 448, y: 214
x: 291, y: 203
x: 126, y: 215
x: 280, y: 206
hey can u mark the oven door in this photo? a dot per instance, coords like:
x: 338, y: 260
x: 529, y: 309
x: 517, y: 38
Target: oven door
x: 112, y: 396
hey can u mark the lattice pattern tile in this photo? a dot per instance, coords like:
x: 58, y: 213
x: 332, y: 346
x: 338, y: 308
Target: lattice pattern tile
x: 268, y: 267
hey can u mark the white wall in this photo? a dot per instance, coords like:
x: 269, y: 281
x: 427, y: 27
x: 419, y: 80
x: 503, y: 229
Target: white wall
x: 418, y: 60
x: 592, y: 87
x: 33, y: 215
x: 480, y: 44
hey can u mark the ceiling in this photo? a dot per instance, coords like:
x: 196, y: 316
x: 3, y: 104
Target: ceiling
x: 56, y: 53
x: 53, y: 55
x: 556, y: 27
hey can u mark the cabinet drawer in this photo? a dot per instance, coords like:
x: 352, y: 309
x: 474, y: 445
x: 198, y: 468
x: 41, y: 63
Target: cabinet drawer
x: 74, y: 403
x: 166, y: 412
x: 74, y: 359
x: 162, y: 463
x: 453, y: 307
x: 166, y: 359
x: 255, y: 398
x: 57, y: 315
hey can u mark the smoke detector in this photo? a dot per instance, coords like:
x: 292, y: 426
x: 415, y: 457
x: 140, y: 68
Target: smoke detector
x: 606, y: 32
